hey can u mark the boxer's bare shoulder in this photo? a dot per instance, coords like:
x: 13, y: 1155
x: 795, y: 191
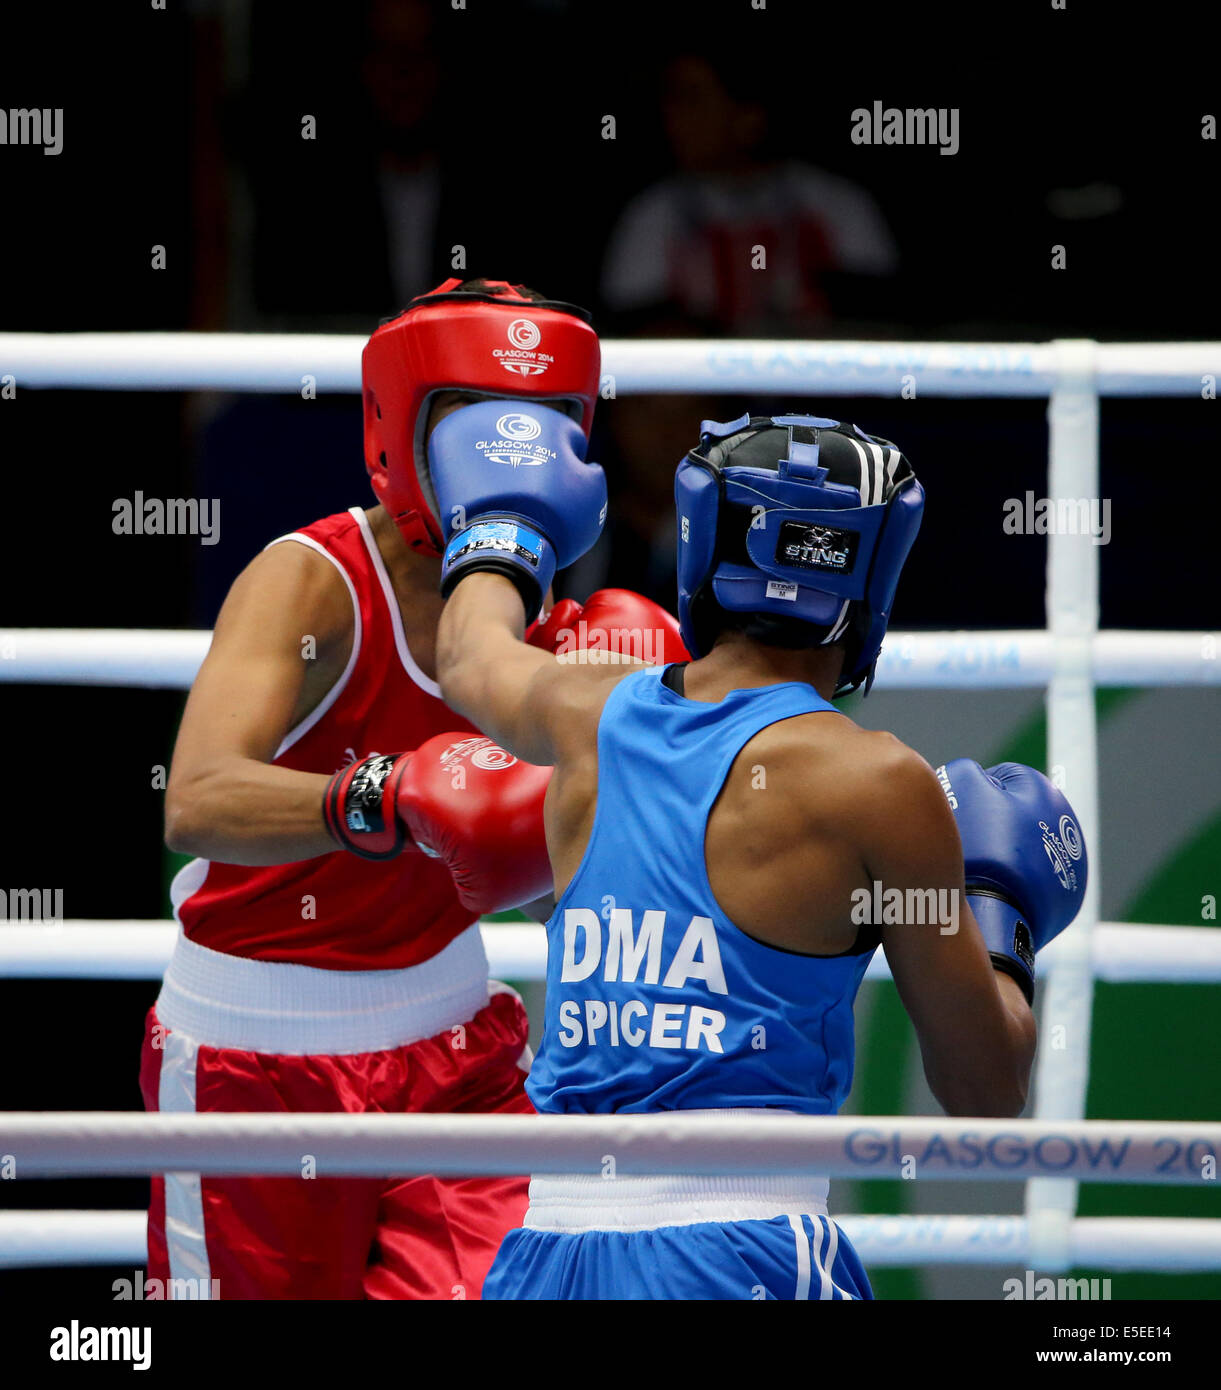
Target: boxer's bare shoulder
x: 290, y: 601
x: 282, y: 639
x: 796, y: 828
x: 825, y: 766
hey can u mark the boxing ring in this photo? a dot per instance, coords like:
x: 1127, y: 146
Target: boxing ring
x: 1051, y: 1152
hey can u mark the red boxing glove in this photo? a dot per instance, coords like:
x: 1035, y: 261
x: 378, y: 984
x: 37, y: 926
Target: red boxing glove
x: 616, y: 622
x: 548, y: 634
x: 459, y: 798
x: 478, y: 809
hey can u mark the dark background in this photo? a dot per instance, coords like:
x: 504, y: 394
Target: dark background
x: 1078, y: 127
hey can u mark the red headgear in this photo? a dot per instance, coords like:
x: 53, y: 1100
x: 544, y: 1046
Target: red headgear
x: 495, y: 342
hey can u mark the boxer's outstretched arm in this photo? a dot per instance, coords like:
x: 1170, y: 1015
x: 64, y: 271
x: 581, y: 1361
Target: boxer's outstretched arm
x: 530, y: 703
x: 976, y: 1031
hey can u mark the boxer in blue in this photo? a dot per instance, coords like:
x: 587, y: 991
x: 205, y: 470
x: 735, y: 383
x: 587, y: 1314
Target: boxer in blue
x: 724, y: 841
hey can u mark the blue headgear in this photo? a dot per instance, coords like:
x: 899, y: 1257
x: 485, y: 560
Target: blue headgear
x: 789, y: 518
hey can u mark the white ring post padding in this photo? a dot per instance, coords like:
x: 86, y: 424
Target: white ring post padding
x: 1122, y: 952
x: 979, y: 660
x: 110, y: 1144
x: 1063, y: 1065
x: 31, y: 1239
x: 282, y: 362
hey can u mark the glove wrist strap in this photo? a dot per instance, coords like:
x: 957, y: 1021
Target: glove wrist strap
x: 1006, y: 934
x: 358, y: 809
x: 502, y: 545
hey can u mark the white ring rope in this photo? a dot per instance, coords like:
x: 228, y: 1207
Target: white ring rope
x: 111, y: 1144
x: 1122, y: 952
x: 994, y: 660
x: 30, y: 1239
x: 331, y: 362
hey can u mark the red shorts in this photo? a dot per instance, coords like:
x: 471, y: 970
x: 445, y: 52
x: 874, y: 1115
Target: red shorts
x: 332, y: 1237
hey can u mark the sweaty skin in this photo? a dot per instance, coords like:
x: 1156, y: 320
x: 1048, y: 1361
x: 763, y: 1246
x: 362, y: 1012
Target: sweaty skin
x: 840, y: 808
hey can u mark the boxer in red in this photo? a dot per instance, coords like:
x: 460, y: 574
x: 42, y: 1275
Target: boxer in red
x: 350, y: 829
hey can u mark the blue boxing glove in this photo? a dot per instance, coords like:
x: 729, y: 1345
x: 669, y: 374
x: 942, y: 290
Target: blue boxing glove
x: 514, y: 495
x: 1024, y: 858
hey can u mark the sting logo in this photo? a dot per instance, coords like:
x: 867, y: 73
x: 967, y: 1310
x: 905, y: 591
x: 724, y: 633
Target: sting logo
x: 812, y: 547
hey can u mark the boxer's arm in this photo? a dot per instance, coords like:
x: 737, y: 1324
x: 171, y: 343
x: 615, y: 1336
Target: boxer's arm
x: 530, y: 703
x: 224, y: 800
x: 976, y: 1031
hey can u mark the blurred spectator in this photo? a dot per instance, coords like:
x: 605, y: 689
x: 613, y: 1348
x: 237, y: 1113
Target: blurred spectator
x: 686, y: 243
x: 402, y: 76
x: 346, y: 219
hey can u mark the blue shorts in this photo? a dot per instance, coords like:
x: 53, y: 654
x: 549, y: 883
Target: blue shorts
x: 787, y: 1257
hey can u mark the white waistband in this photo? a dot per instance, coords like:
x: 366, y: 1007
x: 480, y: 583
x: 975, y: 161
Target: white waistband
x: 267, y: 1006
x: 583, y: 1202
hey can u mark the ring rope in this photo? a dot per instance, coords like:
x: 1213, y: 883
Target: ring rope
x: 31, y: 1239
x: 978, y: 660
x: 331, y: 362
x: 1122, y: 952
x: 116, y: 1144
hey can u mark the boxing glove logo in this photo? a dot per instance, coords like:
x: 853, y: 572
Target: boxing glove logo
x: 944, y: 778
x: 519, y: 427
x: 513, y: 446
x: 1070, y: 836
x: 483, y: 753
x: 1063, y: 849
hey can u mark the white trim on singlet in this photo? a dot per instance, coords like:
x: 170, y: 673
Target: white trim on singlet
x: 333, y: 694
x: 429, y: 687
x: 186, y: 883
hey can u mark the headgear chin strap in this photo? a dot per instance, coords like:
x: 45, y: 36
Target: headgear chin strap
x: 494, y: 342
x: 802, y: 523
